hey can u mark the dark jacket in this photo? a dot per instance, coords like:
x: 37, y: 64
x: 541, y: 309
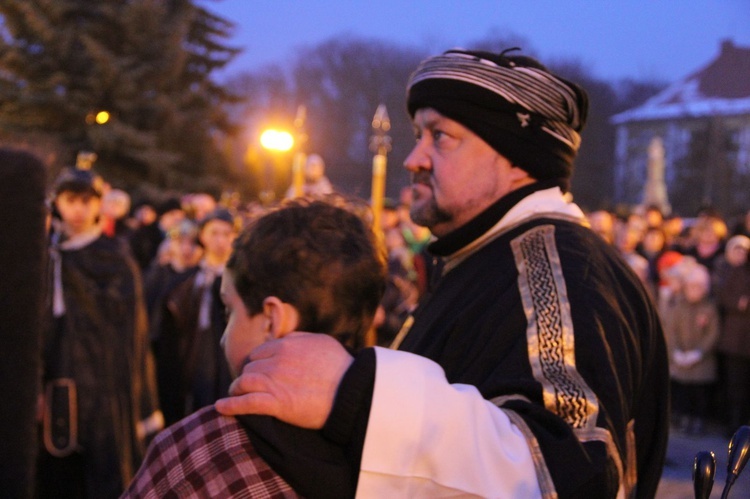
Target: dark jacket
x: 735, y: 335
x: 192, y: 369
x: 100, y: 342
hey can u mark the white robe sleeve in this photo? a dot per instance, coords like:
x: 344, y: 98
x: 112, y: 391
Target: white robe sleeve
x: 428, y: 438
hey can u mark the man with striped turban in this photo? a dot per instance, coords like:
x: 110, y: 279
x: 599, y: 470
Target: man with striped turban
x: 536, y: 366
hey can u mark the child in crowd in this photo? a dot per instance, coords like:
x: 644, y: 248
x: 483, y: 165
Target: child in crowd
x: 692, y: 332
x: 191, y: 369
x: 99, y: 399
x: 308, y: 266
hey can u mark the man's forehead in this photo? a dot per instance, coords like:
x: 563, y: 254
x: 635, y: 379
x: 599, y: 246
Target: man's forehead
x: 427, y: 115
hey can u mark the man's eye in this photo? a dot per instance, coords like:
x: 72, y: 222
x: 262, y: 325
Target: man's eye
x: 437, y: 134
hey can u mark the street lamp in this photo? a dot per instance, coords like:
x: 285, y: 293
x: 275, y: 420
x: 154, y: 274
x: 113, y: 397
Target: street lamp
x: 99, y: 117
x: 275, y: 141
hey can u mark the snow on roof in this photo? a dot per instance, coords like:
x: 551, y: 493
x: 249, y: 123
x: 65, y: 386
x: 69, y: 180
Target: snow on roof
x: 722, y: 88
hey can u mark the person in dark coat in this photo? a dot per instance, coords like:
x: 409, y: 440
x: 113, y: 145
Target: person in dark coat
x: 100, y: 399
x: 146, y: 240
x: 733, y: 296
x: 191, y: 367
x: 537, y: 366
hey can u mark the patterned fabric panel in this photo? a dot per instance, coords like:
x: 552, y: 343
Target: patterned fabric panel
x: 205, y: 455
x: 550, y: 336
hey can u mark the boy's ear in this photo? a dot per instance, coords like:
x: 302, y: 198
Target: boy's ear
x: 283, y: 318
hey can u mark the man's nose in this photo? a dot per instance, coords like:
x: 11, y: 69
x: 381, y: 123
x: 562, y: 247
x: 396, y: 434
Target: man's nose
x: 417, y: 159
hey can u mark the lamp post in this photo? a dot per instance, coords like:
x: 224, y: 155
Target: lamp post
x: 380, y: 144
x: 274, y: 141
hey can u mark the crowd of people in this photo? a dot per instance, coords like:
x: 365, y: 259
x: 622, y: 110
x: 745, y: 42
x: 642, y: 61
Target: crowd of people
x: 527, y: 357
x: 696, y: 270
x: 133, y: 343
x: 698, y: 273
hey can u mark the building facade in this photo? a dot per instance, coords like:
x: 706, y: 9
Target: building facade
x: 703, y: 125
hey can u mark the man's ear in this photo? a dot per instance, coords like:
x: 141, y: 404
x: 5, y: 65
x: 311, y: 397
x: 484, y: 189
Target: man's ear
x: 282, y: 317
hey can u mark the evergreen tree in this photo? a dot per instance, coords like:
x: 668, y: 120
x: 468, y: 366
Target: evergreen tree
x: 148, y: 63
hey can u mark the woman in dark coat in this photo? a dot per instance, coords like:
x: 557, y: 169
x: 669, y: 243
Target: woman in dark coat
x: 733, y: 293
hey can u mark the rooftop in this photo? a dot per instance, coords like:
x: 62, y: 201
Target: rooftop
x: 720, y: 88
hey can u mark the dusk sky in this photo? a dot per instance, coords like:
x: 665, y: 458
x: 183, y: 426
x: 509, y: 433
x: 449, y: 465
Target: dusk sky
x: 641, y: 39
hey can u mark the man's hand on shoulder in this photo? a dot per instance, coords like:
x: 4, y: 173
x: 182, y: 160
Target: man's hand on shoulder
x: 293, y: 379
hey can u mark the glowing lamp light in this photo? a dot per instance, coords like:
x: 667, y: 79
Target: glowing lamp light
x: 101, y: 117
x: 276, y: 140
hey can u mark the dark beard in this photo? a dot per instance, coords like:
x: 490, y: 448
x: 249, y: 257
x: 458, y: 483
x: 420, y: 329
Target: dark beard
x: 429, y: 214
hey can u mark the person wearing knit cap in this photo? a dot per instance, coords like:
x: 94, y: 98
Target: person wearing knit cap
x: 99, y: 400
x: 191, y: 371
x: 514, y: 104
x: 536, y: 365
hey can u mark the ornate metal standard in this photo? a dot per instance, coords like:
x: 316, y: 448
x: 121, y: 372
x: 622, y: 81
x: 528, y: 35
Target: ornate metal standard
x: 298, y: 163
x: 380, y: 144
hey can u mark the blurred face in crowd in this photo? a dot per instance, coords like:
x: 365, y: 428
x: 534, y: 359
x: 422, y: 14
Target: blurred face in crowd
x: 603, y: 223
x: 653, y: 241
x: 694, y: 291
x: 736, y: 256
x: 455, y: 174
x: 217, y: 236
x: 183, y: 252
x: 672, y: 227
x: 654, y: 218
x: 706, y: 235
x: 390, y: 219
x: 627, y: 238
x: 115, y: 204
x: 708, y: 232
x: 79, y: 211
x: 146, y: 215
x: 171, y: 219
x: 202, y: 205
x: 670, y: 280
x: 394, y: 239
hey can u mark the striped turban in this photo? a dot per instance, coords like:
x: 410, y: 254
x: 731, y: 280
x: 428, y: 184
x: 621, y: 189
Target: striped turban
x: 513, y: 103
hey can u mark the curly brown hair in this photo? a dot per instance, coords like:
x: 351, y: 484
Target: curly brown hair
x: 320, y: 256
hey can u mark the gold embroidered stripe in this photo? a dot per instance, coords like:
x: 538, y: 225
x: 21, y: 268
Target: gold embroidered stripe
x: 550, y: 338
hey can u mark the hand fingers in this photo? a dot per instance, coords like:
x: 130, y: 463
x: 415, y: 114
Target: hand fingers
x: 250, y: 381
x: 251, y: 403
x: 264, y: 351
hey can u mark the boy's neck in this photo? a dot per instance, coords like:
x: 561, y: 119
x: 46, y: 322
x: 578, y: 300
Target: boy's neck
x: 81, y: 238
x: 214, y: 261
x: 73, y: 232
